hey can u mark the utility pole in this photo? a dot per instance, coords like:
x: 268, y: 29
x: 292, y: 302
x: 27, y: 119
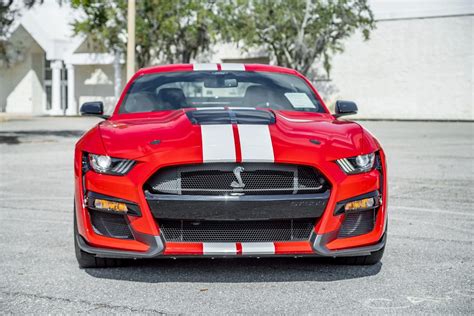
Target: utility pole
x: 131, y: 39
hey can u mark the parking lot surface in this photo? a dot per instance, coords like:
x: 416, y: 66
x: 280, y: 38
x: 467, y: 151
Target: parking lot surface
x: 427, y: 267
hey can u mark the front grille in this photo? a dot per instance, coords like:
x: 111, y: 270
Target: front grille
x: 110, y: 225
x: 236, y: 231
x: 222, y: 179
x: 357, y: 223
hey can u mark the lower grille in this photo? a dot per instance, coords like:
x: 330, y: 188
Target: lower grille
x: 110, y: 225
x: 357, y: 223
x: 236, y: 231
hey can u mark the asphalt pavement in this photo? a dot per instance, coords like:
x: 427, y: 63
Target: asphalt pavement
x: 427, y: 267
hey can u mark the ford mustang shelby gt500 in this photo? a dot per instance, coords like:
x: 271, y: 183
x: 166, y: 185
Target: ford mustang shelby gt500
x: 227, y: 160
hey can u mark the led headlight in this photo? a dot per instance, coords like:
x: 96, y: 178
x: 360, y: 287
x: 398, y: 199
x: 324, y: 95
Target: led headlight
x: 358, y: 164
x: 107, y: 165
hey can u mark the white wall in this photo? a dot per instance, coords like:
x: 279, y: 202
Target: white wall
x: 409, y: 69
x: 21, y: 85
x: 95, y: 83
x: 19, y: 100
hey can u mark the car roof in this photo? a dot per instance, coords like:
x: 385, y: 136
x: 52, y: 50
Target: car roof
x: 215, y: 67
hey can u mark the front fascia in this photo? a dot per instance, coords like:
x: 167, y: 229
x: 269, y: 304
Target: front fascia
x: 130, y: 187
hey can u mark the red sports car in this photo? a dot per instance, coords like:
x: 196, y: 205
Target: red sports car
x: 227, y: 160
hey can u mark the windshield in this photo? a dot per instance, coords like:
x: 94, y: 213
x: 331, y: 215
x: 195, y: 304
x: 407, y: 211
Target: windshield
x: 205, y: 89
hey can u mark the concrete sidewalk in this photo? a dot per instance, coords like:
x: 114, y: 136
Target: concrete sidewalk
x: 12, y: 123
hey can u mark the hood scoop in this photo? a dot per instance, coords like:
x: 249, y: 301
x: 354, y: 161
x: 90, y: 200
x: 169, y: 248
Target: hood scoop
x: 231, y: 116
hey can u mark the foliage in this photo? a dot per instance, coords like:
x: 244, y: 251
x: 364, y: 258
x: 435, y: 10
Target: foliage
x: 189, y: 28
x: 297, y: 32
x: 9, y: 11
x: 105, y: 23
x: 170, y: 31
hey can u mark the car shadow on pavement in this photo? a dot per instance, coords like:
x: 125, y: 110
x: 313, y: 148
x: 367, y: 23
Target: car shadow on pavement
x: 245, y: 270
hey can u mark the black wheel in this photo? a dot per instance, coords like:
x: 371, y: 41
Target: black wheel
x: 87, y: 260
x: 371, y: 259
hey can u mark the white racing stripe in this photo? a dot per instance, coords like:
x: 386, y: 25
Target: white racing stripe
x: 197, y: 67
x: 210, y: 108
x: 241, y: 108
x: 219, y: 248
x: 256, y: 143
x: 218, y: 143
x: 249, y: 248
x: 230, y: 66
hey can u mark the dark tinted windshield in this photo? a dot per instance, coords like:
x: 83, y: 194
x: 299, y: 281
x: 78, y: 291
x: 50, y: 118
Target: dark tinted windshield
x: 206, y: 89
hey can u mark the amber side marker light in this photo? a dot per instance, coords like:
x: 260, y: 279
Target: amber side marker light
x: 106, y: 205
x: 358, y: 205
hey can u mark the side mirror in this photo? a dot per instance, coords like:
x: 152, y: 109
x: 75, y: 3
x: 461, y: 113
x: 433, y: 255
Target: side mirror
x: 345, y: 108
x: 95, y: 108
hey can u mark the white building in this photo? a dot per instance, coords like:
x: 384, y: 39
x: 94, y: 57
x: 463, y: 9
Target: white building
x: 56, y: 71
x: 418, y: 64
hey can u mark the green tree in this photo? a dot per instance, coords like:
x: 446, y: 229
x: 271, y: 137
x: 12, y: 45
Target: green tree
x: 188, y: 29
x: 165, y: 31
x: 9, y: 11
x: 169, y: 31
x: 297, y: 32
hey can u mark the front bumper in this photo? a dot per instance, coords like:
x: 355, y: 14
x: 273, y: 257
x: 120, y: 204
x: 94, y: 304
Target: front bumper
x: 148, y: 241
x: 246, y: 207
x: 316, y: 247
x: 156, y: 247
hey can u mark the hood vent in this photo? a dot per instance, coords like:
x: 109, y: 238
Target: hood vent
x: 210, y: 117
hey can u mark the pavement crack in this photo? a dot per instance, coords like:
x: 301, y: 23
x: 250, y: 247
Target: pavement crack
x: 94, y: 306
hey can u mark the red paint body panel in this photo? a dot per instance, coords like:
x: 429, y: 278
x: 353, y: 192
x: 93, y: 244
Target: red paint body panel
x: 293, y: 248
x: 183, y: 249
x: 129, y: 136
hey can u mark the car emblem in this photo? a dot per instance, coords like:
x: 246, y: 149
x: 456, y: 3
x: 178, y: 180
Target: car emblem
x: 239, y: 184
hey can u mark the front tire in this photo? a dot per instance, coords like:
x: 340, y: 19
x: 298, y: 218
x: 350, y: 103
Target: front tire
x: 371, y: 259
x: 87, y: 260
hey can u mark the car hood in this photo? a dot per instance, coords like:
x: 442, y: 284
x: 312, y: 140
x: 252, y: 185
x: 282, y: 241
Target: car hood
x: 296, y: 137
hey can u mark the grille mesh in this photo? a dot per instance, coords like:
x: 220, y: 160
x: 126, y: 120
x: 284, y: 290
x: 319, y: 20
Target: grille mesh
x: 236, y: 231
x: 217, y: 180
x: 357, y: 223
x: 110, y: 225
x: 220, y: 179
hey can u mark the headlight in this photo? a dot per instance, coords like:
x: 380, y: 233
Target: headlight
x: 108, y: 165
x: 359, y: 164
